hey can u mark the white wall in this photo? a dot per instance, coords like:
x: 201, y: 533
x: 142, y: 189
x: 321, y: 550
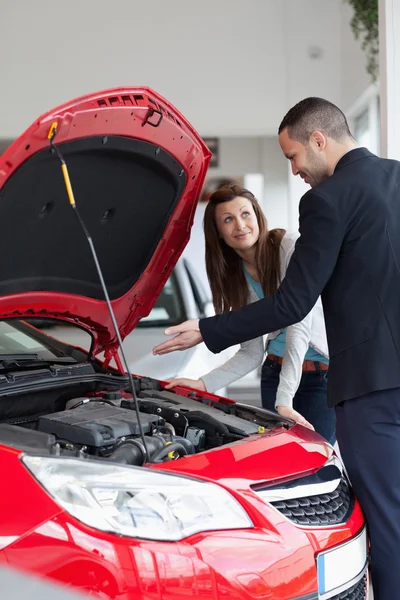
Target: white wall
x: 213, y: 59
x: 314, y: 25
x: 238, y: 156
x: 233, y: 68
x: 389, y: 61
x: 274, y: 168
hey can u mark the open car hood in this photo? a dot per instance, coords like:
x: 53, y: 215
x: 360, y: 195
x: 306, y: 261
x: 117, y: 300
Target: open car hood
x: 136, y: 167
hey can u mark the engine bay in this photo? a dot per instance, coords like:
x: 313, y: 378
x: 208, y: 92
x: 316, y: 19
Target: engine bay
x: 103, y: 423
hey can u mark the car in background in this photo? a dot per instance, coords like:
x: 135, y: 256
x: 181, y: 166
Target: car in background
x: 181, y: 298
x: 112, y: 484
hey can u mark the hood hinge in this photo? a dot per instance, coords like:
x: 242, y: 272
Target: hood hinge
x: 112, y: 354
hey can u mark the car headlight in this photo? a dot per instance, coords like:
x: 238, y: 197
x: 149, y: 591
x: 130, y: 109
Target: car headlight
x: 136, y: 502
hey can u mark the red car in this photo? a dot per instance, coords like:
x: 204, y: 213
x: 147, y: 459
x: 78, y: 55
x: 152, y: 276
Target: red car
x: 112, y: 484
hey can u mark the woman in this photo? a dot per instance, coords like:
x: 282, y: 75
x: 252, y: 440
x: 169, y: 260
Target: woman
x: 244, y: 263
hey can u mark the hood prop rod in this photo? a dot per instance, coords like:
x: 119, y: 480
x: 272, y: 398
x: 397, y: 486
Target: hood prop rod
x: 51, y: 135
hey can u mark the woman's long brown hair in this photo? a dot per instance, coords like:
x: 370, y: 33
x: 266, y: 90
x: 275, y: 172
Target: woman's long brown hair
x: 224, y: 266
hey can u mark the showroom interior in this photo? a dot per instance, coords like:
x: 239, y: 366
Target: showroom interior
x: 233, y: 72
x: 232, y: 69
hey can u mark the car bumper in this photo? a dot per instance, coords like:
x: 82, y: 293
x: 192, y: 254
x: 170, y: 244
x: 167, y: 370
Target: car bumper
x: 238, y: 565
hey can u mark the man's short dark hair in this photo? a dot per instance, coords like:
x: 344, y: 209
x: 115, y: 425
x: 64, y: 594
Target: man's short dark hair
x: 313, y: 114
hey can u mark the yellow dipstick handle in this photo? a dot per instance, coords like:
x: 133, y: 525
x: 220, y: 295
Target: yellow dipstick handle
x: 52, y: 130
x: 68, y: 185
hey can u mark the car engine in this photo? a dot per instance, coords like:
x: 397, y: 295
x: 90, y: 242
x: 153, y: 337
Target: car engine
x: 104, y: 425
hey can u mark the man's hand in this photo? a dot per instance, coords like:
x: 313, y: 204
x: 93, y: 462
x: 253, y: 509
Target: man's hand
x: 196, y: 384
x: 290, y: 413
x: 188, y: 336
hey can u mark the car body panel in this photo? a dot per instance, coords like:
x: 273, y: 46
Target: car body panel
x: 233, y: 564
x: 51, y: 543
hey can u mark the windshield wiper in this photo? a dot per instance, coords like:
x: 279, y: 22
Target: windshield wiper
x: 12, y: 362
x: 19, y: 357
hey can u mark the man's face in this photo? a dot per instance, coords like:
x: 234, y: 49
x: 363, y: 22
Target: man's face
x: 308, y: 161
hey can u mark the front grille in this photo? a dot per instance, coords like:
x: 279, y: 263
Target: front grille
x: 356, y: 592
x: 331, y: 508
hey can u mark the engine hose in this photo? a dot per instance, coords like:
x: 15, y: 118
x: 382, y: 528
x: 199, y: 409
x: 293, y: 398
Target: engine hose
x: 132, y: 452
x: 185, y: 442
x: 128, y: 453
x: 169, y: 449
x: 170, y: 429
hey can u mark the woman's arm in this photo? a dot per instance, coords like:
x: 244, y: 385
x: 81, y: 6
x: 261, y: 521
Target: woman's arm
x: 247, y: 358
x: 297, y: 342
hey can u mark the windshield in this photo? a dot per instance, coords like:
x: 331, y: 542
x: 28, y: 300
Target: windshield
x: 19, y: 339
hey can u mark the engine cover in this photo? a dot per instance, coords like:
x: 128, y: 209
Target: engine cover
x: 96, y: 425
x: 187, y: 407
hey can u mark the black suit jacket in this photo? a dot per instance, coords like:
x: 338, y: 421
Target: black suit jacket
x: 349, y: 253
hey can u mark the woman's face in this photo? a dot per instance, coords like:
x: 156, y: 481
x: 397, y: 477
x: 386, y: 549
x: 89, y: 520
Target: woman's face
x: 237, y: 223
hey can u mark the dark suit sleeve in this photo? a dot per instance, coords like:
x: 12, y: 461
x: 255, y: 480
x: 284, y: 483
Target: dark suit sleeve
x: 311, y: 265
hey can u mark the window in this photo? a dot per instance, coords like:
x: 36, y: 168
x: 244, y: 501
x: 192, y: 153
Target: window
x: 168, y: 309
x: 364, y: 120
x: 199, y: 294
x: 362, y: 131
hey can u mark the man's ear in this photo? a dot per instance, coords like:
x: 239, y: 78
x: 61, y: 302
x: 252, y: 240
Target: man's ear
x: 319, y: 139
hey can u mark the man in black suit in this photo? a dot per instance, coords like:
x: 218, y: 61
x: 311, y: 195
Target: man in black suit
x: 349, y: 253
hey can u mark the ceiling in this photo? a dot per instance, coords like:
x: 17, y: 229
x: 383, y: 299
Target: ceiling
x: 233, y: 68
